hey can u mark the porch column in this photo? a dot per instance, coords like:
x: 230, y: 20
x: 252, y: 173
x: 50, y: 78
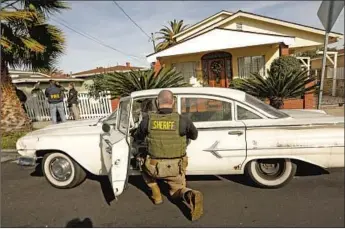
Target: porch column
x: 283, y: 50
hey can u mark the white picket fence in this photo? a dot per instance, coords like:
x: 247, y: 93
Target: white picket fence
x: 37, y: 107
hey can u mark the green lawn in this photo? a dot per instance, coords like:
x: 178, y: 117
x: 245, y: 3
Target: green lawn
x: 8, y: 141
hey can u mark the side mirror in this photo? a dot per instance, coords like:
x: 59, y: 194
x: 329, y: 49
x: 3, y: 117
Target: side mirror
x: 106, y: 128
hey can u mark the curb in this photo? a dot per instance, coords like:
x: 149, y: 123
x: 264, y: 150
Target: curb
x: 9, y: 155
x: 6, y: 151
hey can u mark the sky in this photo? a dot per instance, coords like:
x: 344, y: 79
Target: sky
x: 104, y: 21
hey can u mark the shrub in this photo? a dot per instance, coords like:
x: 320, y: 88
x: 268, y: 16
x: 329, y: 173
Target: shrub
x: 277, y: 87
x: 235, y: 83
x: 285, y: 65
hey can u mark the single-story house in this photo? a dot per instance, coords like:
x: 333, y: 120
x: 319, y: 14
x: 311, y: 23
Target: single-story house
x: 86, y: 76
x: 26, y: 80
x: 235, y: 44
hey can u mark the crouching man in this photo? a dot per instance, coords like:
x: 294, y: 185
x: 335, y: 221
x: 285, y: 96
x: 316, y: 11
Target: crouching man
x: 167, y: 134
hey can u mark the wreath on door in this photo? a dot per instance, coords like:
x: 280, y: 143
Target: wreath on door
x: 217, y: 68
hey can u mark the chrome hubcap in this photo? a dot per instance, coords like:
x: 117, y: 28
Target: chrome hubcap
x: 60, y: 169
x: 269, y: 169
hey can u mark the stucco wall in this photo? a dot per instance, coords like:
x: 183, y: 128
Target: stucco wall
x: 303, y: 38
x: 269, y: 51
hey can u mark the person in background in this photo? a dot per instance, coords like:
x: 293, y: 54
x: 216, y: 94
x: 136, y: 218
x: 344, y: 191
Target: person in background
x: 63, y: 90
x: 36, y: 91
x: 60, y: 86
x: 55, y: 100
x: 22, y: 97
x: 73, y: 101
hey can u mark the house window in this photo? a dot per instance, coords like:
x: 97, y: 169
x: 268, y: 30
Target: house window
x: 206, y: 110
x: 251, y: 64
x: 239, y: 26
x: 187, y: 69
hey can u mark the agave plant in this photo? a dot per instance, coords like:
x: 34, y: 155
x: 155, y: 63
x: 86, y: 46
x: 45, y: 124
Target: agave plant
x: 119, y: 84
x: 277, y: 86
x: 168, y: 33
x: 27, y: 41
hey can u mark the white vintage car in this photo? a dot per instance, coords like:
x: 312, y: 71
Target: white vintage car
x: 238, y: 134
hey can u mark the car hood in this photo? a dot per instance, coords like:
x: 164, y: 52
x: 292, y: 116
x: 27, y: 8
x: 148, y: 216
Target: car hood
x: 69, y: 128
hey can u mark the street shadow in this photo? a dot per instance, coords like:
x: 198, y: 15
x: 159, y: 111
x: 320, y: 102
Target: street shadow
x: 85, y: 223
x: 104, y: 182
x: 106, y: 187
x: 306, y: 169
x: 38, y: 169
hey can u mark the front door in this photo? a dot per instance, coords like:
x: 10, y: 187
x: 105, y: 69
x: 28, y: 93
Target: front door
x: 216, y: 73
x: 221, y: 145
x: 217, y: 69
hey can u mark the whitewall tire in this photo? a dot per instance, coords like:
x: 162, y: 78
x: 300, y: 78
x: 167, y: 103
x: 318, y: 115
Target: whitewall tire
x: 61, y: 171
x: 271, y: 173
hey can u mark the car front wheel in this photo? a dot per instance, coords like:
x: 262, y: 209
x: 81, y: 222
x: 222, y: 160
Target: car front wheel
x: 61, y: 171
x: 271, y: 173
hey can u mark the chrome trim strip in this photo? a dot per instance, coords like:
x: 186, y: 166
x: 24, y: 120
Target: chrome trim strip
x: 273, y: 148
x: 268, y: 126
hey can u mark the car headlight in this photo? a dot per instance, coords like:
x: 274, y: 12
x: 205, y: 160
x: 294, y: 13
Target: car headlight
x: 26, y: 143
x: 20, y: 144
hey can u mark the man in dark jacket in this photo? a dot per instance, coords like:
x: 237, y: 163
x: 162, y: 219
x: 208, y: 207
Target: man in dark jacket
x: 55, y: 100
x: 167, y: 134
x: 73, y: 101
x: 22, y: 97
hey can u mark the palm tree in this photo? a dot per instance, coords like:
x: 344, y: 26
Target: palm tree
x: 168, y: 33
x: 120, y: 84
x: 26, y: 41
x: 277, y: 87
x: 52, y: 71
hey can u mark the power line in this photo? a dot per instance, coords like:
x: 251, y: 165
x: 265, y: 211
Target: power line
x: 131, y: 19
x: 93, y: 38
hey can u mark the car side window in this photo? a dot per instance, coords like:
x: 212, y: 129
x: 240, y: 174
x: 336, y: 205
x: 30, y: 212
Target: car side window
x: 206, y: 109
x: 244, y: 114
x: 145, y: 105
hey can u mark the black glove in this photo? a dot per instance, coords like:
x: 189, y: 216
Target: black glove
x: 132, y: 131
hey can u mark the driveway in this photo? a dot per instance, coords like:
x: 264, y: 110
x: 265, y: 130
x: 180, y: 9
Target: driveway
x: 27, y: 200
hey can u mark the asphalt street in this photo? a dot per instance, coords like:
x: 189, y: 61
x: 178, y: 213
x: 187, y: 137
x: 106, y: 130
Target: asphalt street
x: 27, y: 200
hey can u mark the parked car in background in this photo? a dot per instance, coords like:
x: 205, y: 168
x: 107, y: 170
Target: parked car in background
x: 238, y: 134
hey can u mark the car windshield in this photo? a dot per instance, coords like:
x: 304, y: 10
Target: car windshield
x: 111, y: 119
x: 112, y: 116
x: 265, y: 107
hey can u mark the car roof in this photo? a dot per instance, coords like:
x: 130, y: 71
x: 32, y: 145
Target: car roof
x: 211, y: 91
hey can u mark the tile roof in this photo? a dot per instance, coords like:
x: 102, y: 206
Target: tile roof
x: 100, y: 70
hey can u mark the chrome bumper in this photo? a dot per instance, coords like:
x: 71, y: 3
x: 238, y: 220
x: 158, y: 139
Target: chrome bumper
x: 27, y: 161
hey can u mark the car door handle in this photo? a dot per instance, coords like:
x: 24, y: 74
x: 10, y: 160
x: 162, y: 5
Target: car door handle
x: 235, y: 132
x: 108, y: 142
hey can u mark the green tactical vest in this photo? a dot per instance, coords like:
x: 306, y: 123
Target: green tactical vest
x: 164, y: 140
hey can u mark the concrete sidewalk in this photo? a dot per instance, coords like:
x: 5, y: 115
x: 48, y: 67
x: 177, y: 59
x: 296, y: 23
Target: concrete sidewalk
x: 9, y: 155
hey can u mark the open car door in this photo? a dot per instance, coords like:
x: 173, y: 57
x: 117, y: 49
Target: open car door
x: 117, y: 163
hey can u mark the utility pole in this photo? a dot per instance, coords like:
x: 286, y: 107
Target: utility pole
x: 323, y: 71
x: 153, y: 42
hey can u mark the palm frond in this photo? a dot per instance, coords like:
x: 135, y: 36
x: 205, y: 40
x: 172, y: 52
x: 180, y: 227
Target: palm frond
x: 6, y: 15
x: 121, y: 84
